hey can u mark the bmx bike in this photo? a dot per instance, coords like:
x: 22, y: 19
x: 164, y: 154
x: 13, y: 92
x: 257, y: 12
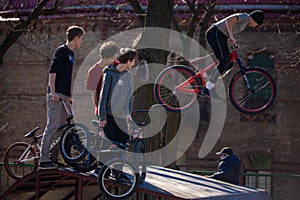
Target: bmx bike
x: 252, y: 90
x: 118, y: 175
x: 22, y: 158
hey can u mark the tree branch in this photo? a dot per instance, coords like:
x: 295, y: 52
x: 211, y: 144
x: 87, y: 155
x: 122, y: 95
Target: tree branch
x: 205, y: 20
x: 17, y: 31
x: 138, y: 10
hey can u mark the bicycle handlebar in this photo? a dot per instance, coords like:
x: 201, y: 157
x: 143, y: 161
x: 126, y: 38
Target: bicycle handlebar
x: 68, y: 107
x: 235, y: 46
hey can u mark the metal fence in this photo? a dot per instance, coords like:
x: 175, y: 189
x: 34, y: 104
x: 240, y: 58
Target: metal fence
x: 279, y: 186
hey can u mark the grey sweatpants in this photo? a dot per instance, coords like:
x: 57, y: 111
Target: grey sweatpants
x: 56, y: 116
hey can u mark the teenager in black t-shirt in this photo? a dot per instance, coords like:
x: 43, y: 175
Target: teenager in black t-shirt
x: 60, y: 80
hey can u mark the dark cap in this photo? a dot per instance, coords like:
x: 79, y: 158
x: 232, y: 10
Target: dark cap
x: 226, y: 150
x: 258, y: 16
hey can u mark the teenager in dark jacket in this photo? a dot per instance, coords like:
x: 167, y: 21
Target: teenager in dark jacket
x: 115, y: 97
x: 229, y: 166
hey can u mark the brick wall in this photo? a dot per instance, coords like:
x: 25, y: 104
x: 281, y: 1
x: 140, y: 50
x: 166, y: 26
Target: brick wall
x: 23, y: 81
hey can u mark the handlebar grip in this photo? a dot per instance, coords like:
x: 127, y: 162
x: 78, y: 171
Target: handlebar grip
x: 235, y: 46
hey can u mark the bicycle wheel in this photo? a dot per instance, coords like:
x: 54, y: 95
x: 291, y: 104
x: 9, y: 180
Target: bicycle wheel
x: 259, y: 97
x: 73, y: 143
x: 20, y: 159
x: 140, y: 160
x: 118, y: 179
x: 166, y: 93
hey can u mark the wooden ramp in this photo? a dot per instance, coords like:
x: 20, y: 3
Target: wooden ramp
x: 160, y: 182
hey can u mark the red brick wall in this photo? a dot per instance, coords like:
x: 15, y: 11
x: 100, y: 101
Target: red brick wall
x: 23, y: 81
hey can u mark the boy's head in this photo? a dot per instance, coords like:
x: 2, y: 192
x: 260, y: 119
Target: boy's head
x: 258, y: 16
x: 109, y: 50
x: 127, y: 54
x: 74, y: 31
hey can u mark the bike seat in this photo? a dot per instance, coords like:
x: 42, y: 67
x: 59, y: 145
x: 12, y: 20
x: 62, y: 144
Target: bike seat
x: 32, y: 133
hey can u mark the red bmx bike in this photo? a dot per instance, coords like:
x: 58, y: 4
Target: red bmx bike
x: 252, y: 89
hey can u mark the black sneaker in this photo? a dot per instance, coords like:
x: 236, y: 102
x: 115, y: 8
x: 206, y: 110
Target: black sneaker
x: 60, y: 164
x: 48, y: 165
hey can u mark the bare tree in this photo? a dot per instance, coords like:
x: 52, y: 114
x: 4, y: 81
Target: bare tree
x: 14, y: 34
x: 160, y: 14
x: 138, y: 10
x: 197, y: 20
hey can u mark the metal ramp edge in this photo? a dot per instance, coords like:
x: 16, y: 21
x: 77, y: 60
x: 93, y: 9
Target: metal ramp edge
x: 43, y: 181
x: 161, y: 182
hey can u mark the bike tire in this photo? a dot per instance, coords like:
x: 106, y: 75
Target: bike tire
x: 73, y: 143
x: 112, y: 186
x: 16, y: 169
x: 261, y: 97
x: 164, y: 88
x: 140, y: 160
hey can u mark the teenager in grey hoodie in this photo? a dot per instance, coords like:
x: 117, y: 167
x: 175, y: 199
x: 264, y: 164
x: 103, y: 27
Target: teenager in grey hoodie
x: 115, y: 97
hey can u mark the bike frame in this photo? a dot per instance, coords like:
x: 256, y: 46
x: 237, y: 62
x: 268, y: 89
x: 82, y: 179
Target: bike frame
x: 137, y: 137
x: 35, y: 145
x: 183, y: 87
x: 24, y: 157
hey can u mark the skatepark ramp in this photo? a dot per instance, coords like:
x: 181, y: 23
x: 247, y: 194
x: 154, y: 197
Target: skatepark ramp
x: 163, y: 183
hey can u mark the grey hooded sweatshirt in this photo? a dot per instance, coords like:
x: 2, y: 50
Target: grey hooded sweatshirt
x: 116, y: 91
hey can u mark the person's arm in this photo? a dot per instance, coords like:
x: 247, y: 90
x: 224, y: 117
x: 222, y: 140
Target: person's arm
x: 98, y: 91
x: 96, y: 101
x: 52, y: 78
x: 92, y: 84
x: 130, y: 98
x: 104, y: 95
x: 57, y: 62
x: 223, y: 172
x: 229, y: 24
x: 93, y: 94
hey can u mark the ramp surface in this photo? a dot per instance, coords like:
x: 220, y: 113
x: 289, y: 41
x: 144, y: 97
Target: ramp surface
x: 160, y: 182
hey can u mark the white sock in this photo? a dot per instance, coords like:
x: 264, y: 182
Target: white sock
x: 210, y: 85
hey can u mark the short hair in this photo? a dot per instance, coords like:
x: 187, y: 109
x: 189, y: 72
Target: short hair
x: 109, y: 49
x: 127, y: 54
x: 74, y: 31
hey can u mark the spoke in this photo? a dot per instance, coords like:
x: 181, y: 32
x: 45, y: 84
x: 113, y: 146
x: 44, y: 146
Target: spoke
x: 262, y: 87
x: 168, y: 97
x: 245, y: 99
x: 173, y: 99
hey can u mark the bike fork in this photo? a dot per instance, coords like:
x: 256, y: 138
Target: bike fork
x: 243, y: 70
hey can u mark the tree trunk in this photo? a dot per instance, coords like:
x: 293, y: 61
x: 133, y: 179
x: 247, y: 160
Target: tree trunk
x: 159, y: 14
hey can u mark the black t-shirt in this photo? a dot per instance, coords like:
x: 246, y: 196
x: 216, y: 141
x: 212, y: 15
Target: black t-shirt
x: 62, y: 66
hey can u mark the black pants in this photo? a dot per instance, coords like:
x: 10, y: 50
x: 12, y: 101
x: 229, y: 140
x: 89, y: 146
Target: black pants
x: 218, y: 42
x: 116, y: 129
